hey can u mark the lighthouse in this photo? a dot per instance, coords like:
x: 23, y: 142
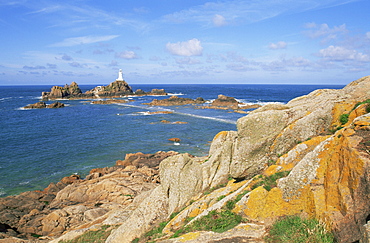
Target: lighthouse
x: 119, y: 75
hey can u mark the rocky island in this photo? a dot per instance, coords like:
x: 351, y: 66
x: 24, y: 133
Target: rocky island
x: 118, y: 88
x: 308, y: 158
x: 115, y: 89
x: 224, y: 102
x: 176, y: 101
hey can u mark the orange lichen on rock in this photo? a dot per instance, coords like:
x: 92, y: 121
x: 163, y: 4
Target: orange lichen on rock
x: 329, y: 195
x: 220, y: 134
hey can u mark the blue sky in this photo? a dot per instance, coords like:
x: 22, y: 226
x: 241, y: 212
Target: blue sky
x: 187, y: 41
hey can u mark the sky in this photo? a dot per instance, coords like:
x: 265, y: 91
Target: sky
x: 184, y: 41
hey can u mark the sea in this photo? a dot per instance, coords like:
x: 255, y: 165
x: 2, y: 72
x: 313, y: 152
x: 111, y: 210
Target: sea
x: 40, y: 146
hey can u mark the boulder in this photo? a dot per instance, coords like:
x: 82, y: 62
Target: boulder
x: 56, y: 105
x: 181, y: 179
x: 151, y: 211
x: 38, y: 105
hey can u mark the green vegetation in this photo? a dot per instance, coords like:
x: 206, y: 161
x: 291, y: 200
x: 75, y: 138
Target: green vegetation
x: 217, y: 220
x: 271, y: 162
x: 269, y: 182
x: 343, y: 118
x: 98, y: 236
x: 156, y: 232
x: 364, y: 102
x: 296, y: 229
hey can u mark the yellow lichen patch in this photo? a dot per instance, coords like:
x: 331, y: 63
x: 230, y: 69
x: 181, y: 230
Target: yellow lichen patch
x: 290, y: 159
x: 262, y: 204
x: 256, y: 203
x: 339, y: 109
x: 359, y: 111
x: 189, y: 236
x: 339, y: 174
x: 222, y: 133
x: 196, y: 211
x: 277, y: 168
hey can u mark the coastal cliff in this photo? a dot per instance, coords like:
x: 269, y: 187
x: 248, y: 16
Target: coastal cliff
x: 309, y: 157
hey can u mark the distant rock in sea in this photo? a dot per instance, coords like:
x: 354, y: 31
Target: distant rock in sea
x: 224, y: 102
x: 175, y: 100
x: 41, y: 105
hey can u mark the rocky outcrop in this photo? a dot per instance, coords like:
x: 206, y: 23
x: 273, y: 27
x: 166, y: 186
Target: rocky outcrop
x: 41, y: 105
x: 154, y: 92
x: 175, y: 100
x: 140, y: 159
x: 224, y: 102
x: 66, y: 92
x: 115, y: 89
x: 74, y: 202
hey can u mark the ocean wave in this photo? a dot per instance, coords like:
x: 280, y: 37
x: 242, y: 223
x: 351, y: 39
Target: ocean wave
x: 6, y: 98
x: 207, y: 117
x: 257, y: 102
x: 24, y: 182
x: 177, y: 94
x: 179, y: 113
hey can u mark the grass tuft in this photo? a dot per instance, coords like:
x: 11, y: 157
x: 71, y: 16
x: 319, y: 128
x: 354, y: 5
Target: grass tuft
x: 98, y: 236
x: 296, y: 229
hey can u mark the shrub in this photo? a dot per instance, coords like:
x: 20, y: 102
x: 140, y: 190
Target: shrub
x: 296, y: 229
x: 343, y: 118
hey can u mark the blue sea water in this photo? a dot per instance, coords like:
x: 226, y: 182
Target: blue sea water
x: 40, y: 146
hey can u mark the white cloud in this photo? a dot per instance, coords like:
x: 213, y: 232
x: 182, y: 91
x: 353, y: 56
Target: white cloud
x: 187, y: 60
x: 219, y: 20
x: 246, y: 11
x: 279, y: 45
x: 368, y: 35
x: 338, y: 53
x: 127, y: 55
x: 83, y: 40
x: 191, y: 47
x: 324, y: 31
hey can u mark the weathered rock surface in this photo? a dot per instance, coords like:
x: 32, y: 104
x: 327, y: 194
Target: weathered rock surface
x: 175, y: 100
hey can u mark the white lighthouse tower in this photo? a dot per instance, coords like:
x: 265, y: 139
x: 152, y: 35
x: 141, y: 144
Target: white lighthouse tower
x: 119, y: 76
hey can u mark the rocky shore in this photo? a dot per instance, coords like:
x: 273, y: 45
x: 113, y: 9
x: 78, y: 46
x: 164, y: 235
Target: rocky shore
x: 309, y: 157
